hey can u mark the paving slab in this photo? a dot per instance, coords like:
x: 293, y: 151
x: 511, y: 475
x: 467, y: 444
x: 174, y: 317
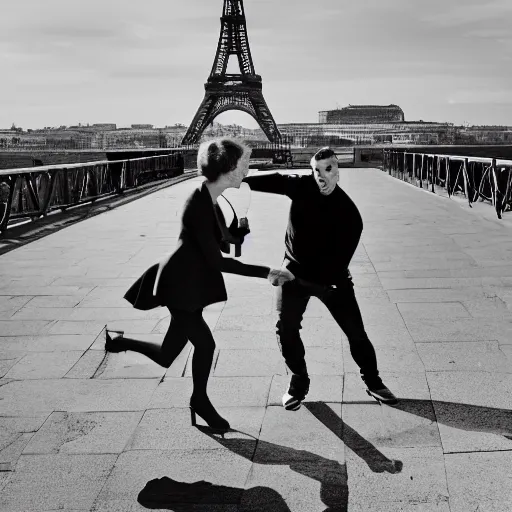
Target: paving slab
x: 467, y: 356
x: 25, y: 327
x: 254, y: 306
x: 393, y: 334
x: 13, y: 303
x: 84, y: 433
x: 128, y: 365
x: 325, y: 360
x: 473, y: 428
x: 403, y: 385
x: 46, y: 343
x: 15, y: 434
x: 367, y: 427
x: 379, y: 314
x: 323, y: 388
x: 87, y: 366
x: 44, y: 365
x: 479, y: 481
x: 56, y: 482
x: 245, y: 340
x: 468, y: 329
x: 477, y: 388
x: 488, y: 307
x: 43, y: 396
x: 432, y: 311
x: 170, y: 429
x: 18, y: 290
x: 223, y: 392
x: 389, y: 358
x: 246, y: 323
x: 253, y: 363
x: 54, y: 301
x: 434, y: 294
x: 399, y: 475
x: 135, y: 468
x: 434, y: 282
x: 302, y: 486
x: 8, y: 359
x: 317, y: 435
x: 68, y: 327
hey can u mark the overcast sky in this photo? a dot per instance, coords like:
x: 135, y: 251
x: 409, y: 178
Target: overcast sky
x: 123, y: 61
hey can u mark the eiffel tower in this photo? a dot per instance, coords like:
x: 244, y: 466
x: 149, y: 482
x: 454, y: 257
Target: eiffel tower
x: 240, y: 91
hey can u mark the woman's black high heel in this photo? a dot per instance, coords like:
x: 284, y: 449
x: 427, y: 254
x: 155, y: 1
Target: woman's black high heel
x: 204, y: 409
x: 110, y: 342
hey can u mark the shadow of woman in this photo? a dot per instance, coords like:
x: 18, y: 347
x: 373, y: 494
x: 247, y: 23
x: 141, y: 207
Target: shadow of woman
x: 462, y: 416
x: 168, y: 494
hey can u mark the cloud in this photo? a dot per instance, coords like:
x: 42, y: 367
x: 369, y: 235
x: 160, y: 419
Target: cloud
x: 458, y: 13
x: 483, y: 97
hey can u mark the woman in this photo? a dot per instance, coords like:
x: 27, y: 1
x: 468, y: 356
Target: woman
x: 190, y: 278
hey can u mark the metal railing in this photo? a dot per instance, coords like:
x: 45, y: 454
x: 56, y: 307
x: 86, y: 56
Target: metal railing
x: 477, y: 178
x: 32, y: 192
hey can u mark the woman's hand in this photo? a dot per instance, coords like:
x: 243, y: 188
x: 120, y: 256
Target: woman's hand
x: 279, y: 276
x: 244, y: 223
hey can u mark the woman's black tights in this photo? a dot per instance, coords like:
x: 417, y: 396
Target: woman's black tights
x: 185, y: 326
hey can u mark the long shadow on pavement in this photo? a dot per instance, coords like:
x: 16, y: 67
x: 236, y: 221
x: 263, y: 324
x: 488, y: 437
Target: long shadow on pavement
x: 461, y: 416
x: 169, y: 494
x: 331, y: 474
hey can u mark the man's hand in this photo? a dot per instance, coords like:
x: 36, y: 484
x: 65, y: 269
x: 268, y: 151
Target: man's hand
x: 279, y: 276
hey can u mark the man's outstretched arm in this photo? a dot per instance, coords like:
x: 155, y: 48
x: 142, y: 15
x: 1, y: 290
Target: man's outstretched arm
x: 274, y: 183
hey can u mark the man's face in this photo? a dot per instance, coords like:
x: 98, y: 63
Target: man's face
x: 326, y: 174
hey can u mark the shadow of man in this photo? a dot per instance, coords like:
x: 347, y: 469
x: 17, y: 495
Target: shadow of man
x: 331, y: 474
x: 376, y: 460
x: 168, y: 494
x: 461, y: 416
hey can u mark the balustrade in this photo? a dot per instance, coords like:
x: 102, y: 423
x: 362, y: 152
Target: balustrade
x: 33, y: 192
x: 485, y: 179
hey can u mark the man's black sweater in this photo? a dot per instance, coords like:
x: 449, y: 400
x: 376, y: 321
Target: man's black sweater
x: 322, y: 232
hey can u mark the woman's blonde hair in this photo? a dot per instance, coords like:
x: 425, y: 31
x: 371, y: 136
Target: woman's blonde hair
x: 219, y: 156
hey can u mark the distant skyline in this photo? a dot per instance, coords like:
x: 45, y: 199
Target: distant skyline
x: 66, y: 62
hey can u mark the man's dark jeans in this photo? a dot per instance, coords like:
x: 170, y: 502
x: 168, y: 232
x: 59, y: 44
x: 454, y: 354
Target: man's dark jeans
x: 291, y: 301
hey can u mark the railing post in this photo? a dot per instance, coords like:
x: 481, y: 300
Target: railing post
x: 447, y: 168
x: 49, y: 192
x: 432, y: 174
x: 421, y: 170
x: 497, y: 196
x: 4, y: 215
x: 65, y: 189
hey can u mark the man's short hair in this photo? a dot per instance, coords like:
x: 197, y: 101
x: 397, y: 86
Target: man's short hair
x: 219, y: 156
x: 322, y: 154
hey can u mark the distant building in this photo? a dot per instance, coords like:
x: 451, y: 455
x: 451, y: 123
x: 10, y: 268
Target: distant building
x: 142, y: 127
x: 104, y: 126
x: 304, y: 134
x: 362, y: 114
x: 485, y: 135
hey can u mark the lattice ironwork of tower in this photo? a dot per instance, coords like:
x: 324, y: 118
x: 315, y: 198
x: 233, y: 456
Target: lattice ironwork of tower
x: 240, y: 91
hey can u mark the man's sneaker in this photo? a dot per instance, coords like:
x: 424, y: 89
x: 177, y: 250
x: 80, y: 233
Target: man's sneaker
x: 381, y: 393
x: 297, y: 391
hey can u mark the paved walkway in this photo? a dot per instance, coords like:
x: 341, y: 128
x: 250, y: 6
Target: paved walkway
x: 80, y: 431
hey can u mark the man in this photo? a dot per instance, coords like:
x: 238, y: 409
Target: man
x: 324, y: 228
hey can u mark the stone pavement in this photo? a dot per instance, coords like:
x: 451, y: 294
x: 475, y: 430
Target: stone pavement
x: 83, y: 431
